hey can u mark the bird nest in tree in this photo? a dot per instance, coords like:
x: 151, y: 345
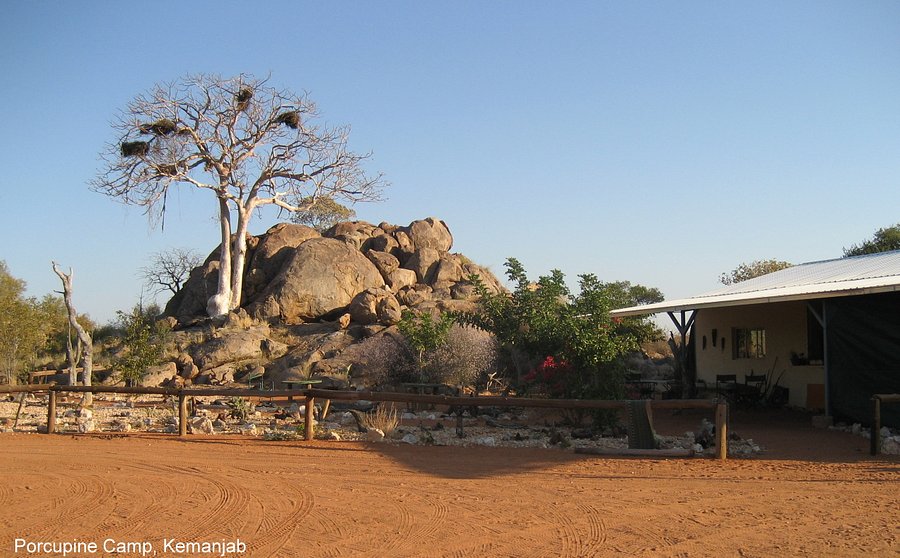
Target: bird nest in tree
x: 168, y: 170
x: 243, y: 98
x: 135, y: 148
x: 291, y: 119
x: 162, y: 127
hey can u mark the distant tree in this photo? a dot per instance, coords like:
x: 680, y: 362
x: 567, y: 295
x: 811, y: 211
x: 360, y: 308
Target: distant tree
x: 753, y: 269
x: 249, y: 144
x: 169, y: 269
x: 22, y: 327
x: 884, y: 240
x: 323, y: 214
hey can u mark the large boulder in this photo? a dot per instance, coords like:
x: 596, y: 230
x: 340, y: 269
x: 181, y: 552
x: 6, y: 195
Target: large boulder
x: 190, y: 301
x: 430, y: 233
x: 424, y: 262
x: 375, y: 306
x: 156, y: 375
x: 400, y: 278
x: 356, y: 233
x: 273, y: 250
x: 320, y: 278
x: 386, y: 263
x: 235, y: 347
x: 448, y: 271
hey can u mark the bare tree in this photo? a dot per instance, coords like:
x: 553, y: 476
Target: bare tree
x: 84, y: 338
x: 169, y: 269
x: 249, y: 144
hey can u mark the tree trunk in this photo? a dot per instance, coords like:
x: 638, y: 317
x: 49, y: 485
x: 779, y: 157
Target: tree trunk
x: 240, y: 257
x: 83, y: 337
x: 219, y: 304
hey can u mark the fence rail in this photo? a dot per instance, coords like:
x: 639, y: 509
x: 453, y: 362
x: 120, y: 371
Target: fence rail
x: 311, y: 394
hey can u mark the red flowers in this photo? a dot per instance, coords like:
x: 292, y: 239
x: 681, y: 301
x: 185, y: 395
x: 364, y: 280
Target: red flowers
x: 550, y: 376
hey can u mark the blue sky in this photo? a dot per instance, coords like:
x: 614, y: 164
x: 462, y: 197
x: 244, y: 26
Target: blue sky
x: 657, y: 142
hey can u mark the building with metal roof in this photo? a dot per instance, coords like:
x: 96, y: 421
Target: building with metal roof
x: 827, y: 333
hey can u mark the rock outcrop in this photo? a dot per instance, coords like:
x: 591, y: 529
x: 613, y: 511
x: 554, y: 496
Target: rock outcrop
x: 372, y: 272
x: 335, y: 299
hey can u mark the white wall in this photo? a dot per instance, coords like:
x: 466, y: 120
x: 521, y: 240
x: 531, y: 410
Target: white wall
x: 785, y: 325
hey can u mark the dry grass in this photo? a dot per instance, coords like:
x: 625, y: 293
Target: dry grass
x: 383, y: 418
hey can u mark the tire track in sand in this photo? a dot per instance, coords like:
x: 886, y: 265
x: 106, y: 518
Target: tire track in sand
x: 274, y: 531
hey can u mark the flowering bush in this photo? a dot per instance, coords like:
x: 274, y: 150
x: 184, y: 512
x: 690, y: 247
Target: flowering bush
x: 551, y: 377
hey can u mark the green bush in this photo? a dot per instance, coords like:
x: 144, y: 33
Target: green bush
x: 144, y: 339
x: 544, y: 319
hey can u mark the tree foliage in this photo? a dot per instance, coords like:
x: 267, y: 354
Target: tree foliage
x: 144, y: 340
x: 247, y: 143
x: 323, y: 214
x: 169, y: 269
x: 545, y: 319
x: 22, y: 329
x: 884, y: 240
x: 751, y: 270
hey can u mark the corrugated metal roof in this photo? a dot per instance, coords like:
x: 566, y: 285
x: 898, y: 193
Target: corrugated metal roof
x: 871, y: 273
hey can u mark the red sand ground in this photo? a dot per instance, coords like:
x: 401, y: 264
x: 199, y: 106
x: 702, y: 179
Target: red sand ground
x: 812, y: 493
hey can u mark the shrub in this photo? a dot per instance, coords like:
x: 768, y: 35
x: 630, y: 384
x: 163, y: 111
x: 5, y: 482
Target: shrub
x: 144, y: 339
x: 466, y: 358
x: 386, y: 359
x: 239, y: 408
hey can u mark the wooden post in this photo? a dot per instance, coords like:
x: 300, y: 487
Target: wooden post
x: 51, y: 413
x: 875, y: 437
x: 310, y: 406
x: 721, y: 431
x: 182, y: 414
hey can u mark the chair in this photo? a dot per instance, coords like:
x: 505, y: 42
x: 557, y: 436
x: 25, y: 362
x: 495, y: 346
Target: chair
x: 754, y: 384
x: 726, y: 385
x: 643, y: 389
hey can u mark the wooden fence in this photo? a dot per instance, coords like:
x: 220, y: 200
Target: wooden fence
x: 875, y: 436
x: 310, y: 395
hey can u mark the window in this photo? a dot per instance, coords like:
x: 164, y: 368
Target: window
x: 748, y: 343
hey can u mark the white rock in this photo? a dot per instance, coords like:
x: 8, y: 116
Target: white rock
x: 891, y: 446
x: 85, y: 425
x: 333, y: 436
x: 249, y: 429
x: 409, y: 439
x: 407, y: 416
x: 347, y: 419
x: 856, y: 428
x: 488, y: 441
x: 697, y: 448
x: 885, y: 432
x: 202, y: 425
x: 431, y: 416
x: 374, y: 435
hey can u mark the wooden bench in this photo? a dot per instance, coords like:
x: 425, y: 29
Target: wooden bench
x: 37, y: 376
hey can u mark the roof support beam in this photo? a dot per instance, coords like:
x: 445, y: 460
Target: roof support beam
x: 683, y: 325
